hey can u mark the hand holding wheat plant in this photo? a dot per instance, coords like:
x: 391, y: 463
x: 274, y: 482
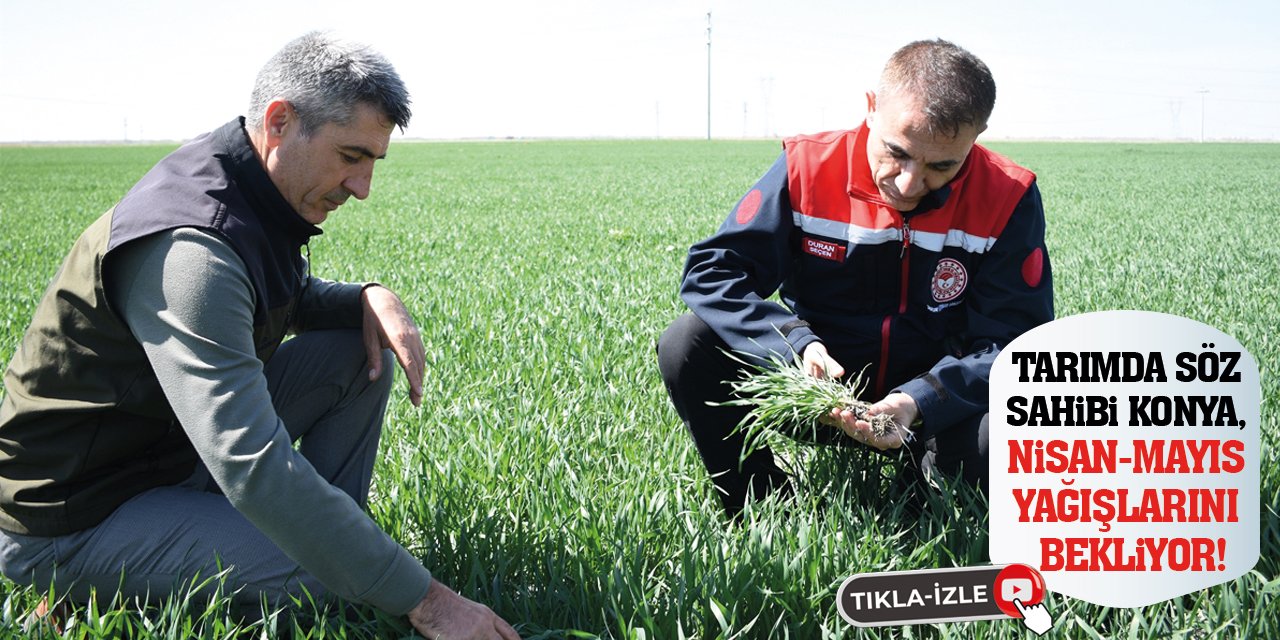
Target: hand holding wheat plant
x: 895, y: 410
x: 784, y: 395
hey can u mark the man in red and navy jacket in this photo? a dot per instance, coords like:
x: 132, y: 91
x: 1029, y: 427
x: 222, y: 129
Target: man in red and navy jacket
x: 901, y: 251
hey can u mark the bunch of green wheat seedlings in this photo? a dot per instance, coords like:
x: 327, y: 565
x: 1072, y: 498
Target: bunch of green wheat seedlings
x: 783, y: 396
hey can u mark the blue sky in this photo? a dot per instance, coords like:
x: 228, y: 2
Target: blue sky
x: 111, y: 70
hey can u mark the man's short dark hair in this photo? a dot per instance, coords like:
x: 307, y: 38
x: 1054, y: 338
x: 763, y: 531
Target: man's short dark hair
x: 324, y: 78
x: 954, y: 87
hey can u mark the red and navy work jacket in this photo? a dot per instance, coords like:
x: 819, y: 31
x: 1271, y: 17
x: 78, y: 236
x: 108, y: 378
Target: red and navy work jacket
x: 919, y: 301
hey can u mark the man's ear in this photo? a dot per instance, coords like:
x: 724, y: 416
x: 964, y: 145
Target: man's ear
x: 871, y: 104
x: 280, y: 117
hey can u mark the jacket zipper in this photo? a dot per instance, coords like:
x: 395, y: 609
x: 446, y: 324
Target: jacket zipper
x: 904, y: 256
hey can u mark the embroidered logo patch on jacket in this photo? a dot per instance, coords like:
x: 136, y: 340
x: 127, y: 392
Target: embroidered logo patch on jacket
x: 949, y: 280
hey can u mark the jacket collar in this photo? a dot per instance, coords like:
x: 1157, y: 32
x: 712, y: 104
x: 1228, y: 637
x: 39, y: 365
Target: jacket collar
x: 235, y: 149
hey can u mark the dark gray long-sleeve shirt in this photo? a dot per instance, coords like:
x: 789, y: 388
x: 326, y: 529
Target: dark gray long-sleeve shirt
x: 186, y: 296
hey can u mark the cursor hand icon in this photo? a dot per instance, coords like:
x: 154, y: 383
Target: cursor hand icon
x: 1036, y: 617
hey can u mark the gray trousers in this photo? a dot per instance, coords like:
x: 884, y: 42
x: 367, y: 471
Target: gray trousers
x: 167, y: 539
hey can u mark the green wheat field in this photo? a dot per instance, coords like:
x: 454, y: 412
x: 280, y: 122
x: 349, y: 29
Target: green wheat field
x: 546, y: 473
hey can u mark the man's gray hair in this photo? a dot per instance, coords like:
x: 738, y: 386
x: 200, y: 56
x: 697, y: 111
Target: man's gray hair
x: 324, y: 77
x: 953, y: 86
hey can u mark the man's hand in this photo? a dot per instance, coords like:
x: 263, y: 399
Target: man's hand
x: 446, y: 615
x: 899, y: 406
x: 387, y: 324
x: 819, y: 364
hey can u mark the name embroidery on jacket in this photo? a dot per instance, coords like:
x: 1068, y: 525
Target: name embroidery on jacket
x: 823, y: 249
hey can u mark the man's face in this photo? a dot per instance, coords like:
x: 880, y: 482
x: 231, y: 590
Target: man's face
x: 906, y: 161
x: 317, y: 174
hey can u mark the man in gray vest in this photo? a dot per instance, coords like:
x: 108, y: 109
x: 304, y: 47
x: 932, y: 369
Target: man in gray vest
x: 148, y: 427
